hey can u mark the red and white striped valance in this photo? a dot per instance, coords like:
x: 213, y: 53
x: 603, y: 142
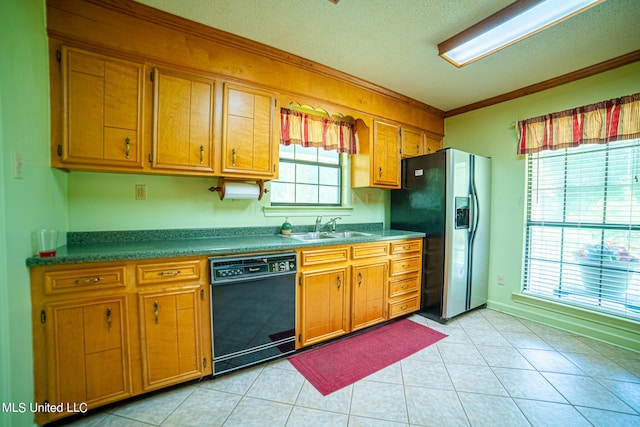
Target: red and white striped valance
x: 612, y: 120
x: 311, y: 130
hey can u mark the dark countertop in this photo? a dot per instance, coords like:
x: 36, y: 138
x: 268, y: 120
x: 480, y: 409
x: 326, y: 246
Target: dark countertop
x: 119, y: 246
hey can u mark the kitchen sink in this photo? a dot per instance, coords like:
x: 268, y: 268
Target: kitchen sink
x: 347, y: 234
x: 325, y: 235
x: 312, y: 236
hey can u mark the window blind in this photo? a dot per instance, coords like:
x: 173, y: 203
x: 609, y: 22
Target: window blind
x: 582, y: 244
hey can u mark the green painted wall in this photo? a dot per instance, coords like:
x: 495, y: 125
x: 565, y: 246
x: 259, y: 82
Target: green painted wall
x: 491, y: 132
x: 101, y: 201
x: 36, y: 201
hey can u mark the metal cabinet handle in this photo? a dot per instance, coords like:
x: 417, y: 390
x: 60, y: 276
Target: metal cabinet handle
x: 169, y: 273
x: 109, y: 319
x: 339, y: 282
x: 127, y: 148
x: 418, y: 148
x: 380, y: 171
x: 404, y: 307
x: 201, y: 154
x: 359, y: 278
x: 233, y: 157
x: 89, y: 280
x: 156, y: 310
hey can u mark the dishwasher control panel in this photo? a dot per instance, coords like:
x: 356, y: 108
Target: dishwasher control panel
x: 225, y: 269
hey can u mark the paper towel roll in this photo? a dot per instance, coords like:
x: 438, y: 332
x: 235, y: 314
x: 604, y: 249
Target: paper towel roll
x: 241, y: 190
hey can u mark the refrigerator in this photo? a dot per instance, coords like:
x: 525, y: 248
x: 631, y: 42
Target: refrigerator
x: 447, y: 196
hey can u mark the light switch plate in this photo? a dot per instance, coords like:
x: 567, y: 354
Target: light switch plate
x: 18, y: 165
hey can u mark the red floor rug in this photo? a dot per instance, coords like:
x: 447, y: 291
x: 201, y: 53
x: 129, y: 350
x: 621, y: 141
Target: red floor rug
x: 338, y: 364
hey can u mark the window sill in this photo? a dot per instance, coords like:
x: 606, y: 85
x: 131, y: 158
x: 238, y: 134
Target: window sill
x: 575, y: 312
x: 302, y: 211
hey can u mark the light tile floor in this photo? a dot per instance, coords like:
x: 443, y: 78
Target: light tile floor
x: 492, y: 370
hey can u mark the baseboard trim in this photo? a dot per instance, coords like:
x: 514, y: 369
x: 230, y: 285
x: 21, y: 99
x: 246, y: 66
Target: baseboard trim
x: 598, y: 326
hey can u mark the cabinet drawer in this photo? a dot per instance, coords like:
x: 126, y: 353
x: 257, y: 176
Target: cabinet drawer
x: 369, y: 250
x: 167, y: 272
x: 406, y: 246
x: 405, y: 306
x: 323, y: 256
x: 405, y: 265
x: 79, y: 279
x: 404, y: 285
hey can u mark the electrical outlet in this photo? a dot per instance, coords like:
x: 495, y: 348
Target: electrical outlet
x: 501, y: 279
x: 141, y: 192
x: 369, y: 198
x: 354, y: 198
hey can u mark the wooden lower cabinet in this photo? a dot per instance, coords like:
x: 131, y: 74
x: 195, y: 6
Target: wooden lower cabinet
x: 346, y: 288
x: 405, y: 275
x: 103, y: 332
x: 323, y: 297
x: 368, y: 288
x: 88, y: 351
x: 171, y: 344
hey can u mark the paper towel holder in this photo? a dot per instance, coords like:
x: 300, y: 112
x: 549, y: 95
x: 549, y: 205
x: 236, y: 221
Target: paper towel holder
x: 221, y: 188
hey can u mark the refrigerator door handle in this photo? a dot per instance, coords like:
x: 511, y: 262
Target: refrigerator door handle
x: 475, y: 216
x: 472, y: 215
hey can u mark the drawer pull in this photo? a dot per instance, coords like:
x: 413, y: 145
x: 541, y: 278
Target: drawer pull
x: 169, y: 273
x: 339, y: 282
x: 201, y: 154
x: 404, y: 307
x: 233, y: 157
x: 109, y: 319
x: 405, y: 286
x: 89, y: 280
x: 406, y: 248
x: 156, y: 310
x: 406, y: 265
x: 127, y: 148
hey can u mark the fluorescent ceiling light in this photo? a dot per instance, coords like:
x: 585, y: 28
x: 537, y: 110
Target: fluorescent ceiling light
x: 507, y: 26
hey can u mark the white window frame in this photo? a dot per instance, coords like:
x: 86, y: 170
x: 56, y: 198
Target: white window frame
x: 295, y: 185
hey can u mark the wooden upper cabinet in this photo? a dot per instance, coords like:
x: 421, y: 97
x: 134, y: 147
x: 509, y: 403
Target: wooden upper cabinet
x: 413, y: 142
x: 102, y: 110
x: 249, y: 147
x: 433, y: 143
x: 386, y: 154
x: 183, y: 108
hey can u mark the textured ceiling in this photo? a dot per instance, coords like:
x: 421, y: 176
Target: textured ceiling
x: 393, y: 43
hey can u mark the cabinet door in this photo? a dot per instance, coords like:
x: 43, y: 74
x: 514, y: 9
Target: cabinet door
x: 368, y: 294
x: 183, y: 122
x: 248, y: 146
x: 323, y: 305
x: 88, y: 355
x: 433, y: 144
x: 386, y: 157
x: 171, y: 342
x: 102, y: 110
x: 412, y: 142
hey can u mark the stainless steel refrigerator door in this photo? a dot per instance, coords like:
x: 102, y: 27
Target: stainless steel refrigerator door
x: 454, y: 298
x: 480, y: 221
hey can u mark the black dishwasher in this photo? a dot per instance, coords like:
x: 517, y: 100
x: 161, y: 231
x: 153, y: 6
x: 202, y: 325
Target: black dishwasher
x: 253, y: 309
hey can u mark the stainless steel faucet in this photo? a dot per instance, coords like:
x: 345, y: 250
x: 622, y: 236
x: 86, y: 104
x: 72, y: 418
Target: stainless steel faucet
x: 318, y: 223
x: 332, y: 221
